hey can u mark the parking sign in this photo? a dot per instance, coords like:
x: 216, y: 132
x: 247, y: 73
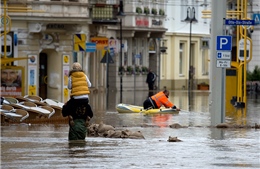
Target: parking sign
x: 224, y: 43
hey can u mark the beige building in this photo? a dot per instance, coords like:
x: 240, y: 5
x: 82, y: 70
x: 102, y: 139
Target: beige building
x: 51, y: 33
x: 175, y: 62
x: 186, y: 60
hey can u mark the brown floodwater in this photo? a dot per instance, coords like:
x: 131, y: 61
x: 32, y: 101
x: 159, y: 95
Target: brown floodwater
x: 202, y: 146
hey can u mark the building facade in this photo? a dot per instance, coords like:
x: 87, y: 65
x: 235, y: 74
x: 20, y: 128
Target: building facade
x: 187, y: 41
x: 51, y: 33
x: 255, y: 14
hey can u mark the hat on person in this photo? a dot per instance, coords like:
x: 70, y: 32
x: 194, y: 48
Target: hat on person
x: 76, y: 66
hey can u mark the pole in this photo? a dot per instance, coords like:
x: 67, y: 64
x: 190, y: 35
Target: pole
x: 223, y: 85
x: 134, y: 79
x: 216, y: 74
x: 5, y: 32
x: 190, y: 76
x: 107, y: 74
x: 159, y: 71
x: 121, y: 62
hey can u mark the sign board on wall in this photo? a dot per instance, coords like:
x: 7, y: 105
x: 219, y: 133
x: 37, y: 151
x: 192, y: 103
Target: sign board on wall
x: 101, y: 42
x: 12, y: 81
x: 141, y: 21
x: 65, y: 74
x: 114, y: 43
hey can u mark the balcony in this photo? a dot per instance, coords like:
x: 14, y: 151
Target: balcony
x: 104, y: 11
x: 73, y: 11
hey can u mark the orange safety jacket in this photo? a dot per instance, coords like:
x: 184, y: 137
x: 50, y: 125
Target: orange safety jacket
x: 161, y: 99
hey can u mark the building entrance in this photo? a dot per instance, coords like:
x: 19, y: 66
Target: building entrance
x: 43, y: 75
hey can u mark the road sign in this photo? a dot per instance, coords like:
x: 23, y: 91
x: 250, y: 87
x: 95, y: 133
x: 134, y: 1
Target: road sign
x: 112, y: 52
x: 256, y: 18
x: 79, y: 42
x: 224, y: 43
x: 241, y: 49
x: 239, y: 22
x: 223, y: 55
x: 107, y: 58
x: 223, y: 63
x: 91, y: 47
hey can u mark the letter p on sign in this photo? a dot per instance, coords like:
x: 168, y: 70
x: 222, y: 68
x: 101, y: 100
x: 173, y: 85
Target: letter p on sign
x: 224, y: 43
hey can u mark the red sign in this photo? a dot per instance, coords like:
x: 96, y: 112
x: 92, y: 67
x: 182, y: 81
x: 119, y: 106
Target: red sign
x: 141, y: 21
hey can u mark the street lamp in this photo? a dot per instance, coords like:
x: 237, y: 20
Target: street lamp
x: 190, y: 18
x: 121, y: 15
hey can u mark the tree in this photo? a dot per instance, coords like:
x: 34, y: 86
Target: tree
x: 255, y: 75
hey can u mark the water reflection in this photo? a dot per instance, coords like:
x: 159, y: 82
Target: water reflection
x: 195, y: 107
x: 162, y: 120
x: 47, y: 146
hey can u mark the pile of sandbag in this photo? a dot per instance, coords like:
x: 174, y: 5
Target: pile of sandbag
x: 104, y: 130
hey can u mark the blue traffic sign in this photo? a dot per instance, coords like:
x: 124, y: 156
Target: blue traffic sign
x: 112, y: 52
x: 91, y: 47
x: 256, y: 18
x: 239, y: 22
x: 224, y: 43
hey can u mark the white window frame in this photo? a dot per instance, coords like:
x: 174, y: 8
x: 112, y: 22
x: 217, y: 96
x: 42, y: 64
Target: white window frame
x: 181, y: 59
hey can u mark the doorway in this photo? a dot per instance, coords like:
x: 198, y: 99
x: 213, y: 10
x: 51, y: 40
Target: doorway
x: 43, y: 75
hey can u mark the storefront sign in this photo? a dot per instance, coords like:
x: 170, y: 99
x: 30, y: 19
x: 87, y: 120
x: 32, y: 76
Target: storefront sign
x: 156, y: 22
x: 139, y: 21
x: 56, y: 26
x: 101, y: 42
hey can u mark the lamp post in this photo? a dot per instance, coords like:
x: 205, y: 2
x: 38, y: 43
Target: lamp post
x: 121, y: 15
x: 190, y: 18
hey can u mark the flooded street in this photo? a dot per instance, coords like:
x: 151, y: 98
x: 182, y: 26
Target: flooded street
x: 202, y: 146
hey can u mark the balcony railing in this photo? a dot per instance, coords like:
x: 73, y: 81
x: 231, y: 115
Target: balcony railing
x: 111, y: 2
x: 52, y: 8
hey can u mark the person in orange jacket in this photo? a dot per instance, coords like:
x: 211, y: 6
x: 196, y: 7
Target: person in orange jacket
x: 158, y: 100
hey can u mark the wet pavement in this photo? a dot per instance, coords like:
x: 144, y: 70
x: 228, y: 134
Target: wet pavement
x: 202, y: 146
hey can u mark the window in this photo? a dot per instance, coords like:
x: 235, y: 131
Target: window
x: 181, y: 59
x: 205, y: 62
x: 134, y: 43
x: 142, y: 51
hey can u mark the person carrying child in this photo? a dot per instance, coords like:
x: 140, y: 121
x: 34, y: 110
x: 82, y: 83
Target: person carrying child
x: 77, y: 108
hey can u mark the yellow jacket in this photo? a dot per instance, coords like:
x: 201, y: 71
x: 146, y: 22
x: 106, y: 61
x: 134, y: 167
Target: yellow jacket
x: 79, y: 84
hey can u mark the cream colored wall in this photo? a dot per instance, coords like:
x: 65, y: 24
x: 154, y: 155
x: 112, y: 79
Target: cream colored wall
x: 170, y: 76
x: 27, y: 44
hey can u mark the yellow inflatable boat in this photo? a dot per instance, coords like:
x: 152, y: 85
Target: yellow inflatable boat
x: 128, y: 108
